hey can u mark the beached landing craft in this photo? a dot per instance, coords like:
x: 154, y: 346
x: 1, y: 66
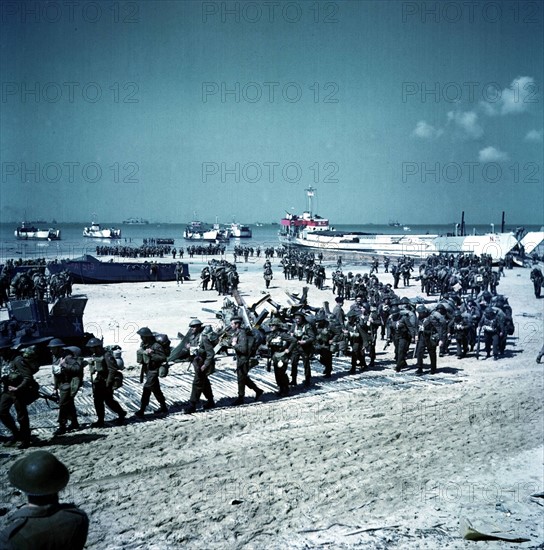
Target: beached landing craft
x: 25, y: 232
x: 202, y: 232
x: 239, y: 231
x: 311, y: 231
x: 96, y: 232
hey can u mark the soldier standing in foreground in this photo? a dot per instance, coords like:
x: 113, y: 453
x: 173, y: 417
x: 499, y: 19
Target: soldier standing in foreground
x: 43, y: 522
x: 278, y: 342
x: 151, y: 356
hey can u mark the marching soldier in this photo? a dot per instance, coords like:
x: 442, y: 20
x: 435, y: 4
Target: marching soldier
x: 301, y: 348
x: 151, y: 356
x: 68, y: 378
x: 241, y: 342
x: 19, y: 390
x: 401, y: 333
x: 428, y: 337
x: 491, y: 329
x: 357, y: 340
x: 537, y: 278
x: 323, y: 340
x: 104, y: 372
x: 200, y: 351
x: 279, y: 342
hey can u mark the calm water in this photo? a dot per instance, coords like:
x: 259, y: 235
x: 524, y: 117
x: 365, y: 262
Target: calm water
x: 73, y: 244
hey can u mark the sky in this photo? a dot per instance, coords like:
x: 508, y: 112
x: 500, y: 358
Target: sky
x: 170, y: 110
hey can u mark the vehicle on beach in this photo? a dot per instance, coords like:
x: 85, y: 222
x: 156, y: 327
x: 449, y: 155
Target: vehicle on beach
x: 30, y: 232
x: 312, y: 231
x: 96, y: 232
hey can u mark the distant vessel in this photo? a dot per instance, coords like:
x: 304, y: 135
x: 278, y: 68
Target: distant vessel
x: 239, y: 231
x: 311, y: 231
x: 135, y: 221
x: 96, y: 232
x: 30, y: 232
x: 393, y: 223
x: 200, y: 231
x: 89, y: 270
x: 406, y: 228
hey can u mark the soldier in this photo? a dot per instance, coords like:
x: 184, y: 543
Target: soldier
x: 459, y: 327
x: 323, y: 341
x: 68, y: 378
x: 151, y: 356
x: 242, y: 343
x: 205, y: 275
x: 279, y: 342
x: 537, y: 278
x: 428, y: 337
x: 19, y: 390
x: 43, y: 522
x: 490, y: 326
x: 338, y: 311
x: 104, y: 372
x: 268, y: 275
x: 200, y: 351
x: 401, y: 333
x: 301, y: 348
x: 357, y: 340
x: 179, y: 273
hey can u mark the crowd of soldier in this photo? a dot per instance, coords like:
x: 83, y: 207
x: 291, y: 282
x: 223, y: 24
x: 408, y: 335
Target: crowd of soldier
x: 219, y: 275
x: 142, y: 251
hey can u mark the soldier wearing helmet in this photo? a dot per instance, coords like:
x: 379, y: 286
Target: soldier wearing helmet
x: 43, y: 522
x: 67, y: 370
x: 151, y: 356
x: 19, y: 389
x: 430, y: 331
x: 401, y: 332
x: 104, y: 371
x: 278, y: 342
x: 302, y: 348
x: 202, y: 355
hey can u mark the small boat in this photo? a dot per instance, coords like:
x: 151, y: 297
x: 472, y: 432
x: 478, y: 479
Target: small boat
x: 200, y: 231
x: 393, y: 223
x: 239, y: 231
x: 135, y: 221
x: 30, y: 232
x: 406, y: 228
x: 89, y: 270
x: 96, y: 232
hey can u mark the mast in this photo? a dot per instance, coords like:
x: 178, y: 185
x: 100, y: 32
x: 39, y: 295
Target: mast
x: 502, y: 222
x: 463, y: 223
x: 310, y: 192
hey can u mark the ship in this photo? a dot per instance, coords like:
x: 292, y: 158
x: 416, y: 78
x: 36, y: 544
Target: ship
x: 89, y: 270
x: 135, y: 221
x: 30, y: 232
x: 96, y: 232
x: 203, y: 232
x: 312, y: 231
x: 239, y: 231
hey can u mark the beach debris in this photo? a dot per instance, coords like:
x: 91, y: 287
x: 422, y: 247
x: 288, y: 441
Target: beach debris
x: 468, y: 532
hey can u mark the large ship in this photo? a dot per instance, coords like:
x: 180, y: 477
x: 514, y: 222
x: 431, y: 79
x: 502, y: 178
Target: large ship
x: 96, y: 232
x: 30, y: 232
x: 311, y: 231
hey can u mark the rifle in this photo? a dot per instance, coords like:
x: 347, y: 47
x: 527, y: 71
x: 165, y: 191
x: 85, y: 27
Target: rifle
x: 48, y: 397
x: 478, y: 344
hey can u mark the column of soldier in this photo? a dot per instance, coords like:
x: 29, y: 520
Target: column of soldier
x: 293, y: 335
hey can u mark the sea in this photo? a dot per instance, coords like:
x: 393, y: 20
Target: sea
x: 72, y: 243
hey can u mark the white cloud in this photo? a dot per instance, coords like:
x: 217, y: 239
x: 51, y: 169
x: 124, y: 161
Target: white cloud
x: 491, y: 154
x: 467, y: 123
x: 424, y: 130
x: 534, y: 135
x: 515, y: 99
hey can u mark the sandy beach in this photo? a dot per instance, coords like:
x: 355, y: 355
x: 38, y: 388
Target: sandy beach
x: 374, y: 460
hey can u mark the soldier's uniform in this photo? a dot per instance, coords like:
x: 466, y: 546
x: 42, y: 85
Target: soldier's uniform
x: 301, y: 348
x: 430, y: 330
x: 490, y: 327
x: 202, y: 354
x: 44, y: 523
x: 103, y: 368
x: 19, y: 389
x: 241, y: 344
x: 401, y: 333
x: 460, y: 326
x: 323, y: 340
x: 278, y: 342
x: 151, y: 356
x: 358, y: 340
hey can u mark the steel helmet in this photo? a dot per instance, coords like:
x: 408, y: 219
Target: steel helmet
x: 39, y: 473
x: 31, y: 352
x: 145, y: 332
x: 94, y: 343
x: 56, y: 343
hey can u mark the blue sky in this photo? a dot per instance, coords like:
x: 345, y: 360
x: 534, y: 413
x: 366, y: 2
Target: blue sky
x: 392, y: 110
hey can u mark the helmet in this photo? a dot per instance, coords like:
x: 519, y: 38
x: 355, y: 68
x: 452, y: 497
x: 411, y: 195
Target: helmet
x: 394, y: 310
x: 275, y: 323
x: 145, y: 332
x: 94, y: 343
x: 39, y: 473
x: 162, y: 339
x: 351, y: 314
x: 490, y: 312
x: 30, y: 353
x: 236, y: 319
x: 73, y: 350
x: 404, y: 300
x: 441, y: 308
x: 56, y: 343
x: 421, y: 308
x: 195, y: 323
